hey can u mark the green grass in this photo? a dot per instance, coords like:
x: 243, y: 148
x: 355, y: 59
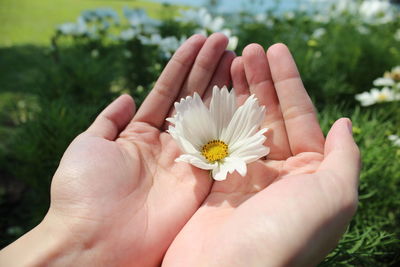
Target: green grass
x: 34, y: 21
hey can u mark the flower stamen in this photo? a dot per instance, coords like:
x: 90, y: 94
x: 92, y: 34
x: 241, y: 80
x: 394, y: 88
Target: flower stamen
x: 214, y: 150
x: 382, y: 97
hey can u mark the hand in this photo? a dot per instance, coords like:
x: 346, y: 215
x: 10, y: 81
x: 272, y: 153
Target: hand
x: 118, y: 198
x: 290, y: 209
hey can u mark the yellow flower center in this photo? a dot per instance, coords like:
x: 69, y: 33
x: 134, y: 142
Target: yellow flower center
x: 382, y: 97
x: 214, y: 150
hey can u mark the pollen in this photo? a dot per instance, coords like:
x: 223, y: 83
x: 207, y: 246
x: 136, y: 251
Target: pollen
x: 214, y: 150
x: 382, y: 97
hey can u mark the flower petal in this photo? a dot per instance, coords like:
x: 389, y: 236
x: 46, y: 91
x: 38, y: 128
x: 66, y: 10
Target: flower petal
x: 251, y: 148
x: 196, y: 161
x: 245, y: 122
x: 219, y: 173
x: 193, y: 122
x: 222, y: 107
x: 229, y: 165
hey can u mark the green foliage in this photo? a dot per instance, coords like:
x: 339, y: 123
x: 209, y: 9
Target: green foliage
x: 49, y: 94
x: 372, y: 239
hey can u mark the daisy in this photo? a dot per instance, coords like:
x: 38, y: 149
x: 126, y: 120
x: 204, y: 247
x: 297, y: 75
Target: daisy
x: 377, y: 96
x: 222, y: 138
x: 383, y: 82
x: 395, y: 139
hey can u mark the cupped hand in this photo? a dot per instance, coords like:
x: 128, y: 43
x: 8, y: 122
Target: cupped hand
x: 118, y: 191
x: 293, y: 206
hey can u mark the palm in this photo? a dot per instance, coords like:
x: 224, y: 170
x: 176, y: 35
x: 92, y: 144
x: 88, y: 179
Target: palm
x: 118, y: 182
x: 247, y: 221
x: 124, y: 191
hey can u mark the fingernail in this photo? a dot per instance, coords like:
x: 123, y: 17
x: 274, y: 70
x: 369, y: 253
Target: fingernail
x: 350, y: 126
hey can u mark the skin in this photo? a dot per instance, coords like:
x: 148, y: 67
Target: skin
x: 291, y: 209
x: 119, y: 199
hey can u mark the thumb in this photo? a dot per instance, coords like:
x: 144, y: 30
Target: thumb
x: 341, y: 153
x: 113, y: 119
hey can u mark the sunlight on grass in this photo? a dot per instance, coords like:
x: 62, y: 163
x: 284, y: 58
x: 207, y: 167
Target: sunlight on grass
x: 33, y: 22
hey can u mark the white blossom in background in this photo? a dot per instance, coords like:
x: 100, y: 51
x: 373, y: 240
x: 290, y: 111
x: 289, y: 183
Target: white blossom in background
x: 289, y: 15
x: 363, y: 30
x: 202, y: 18
x: 377, y: 11
x: 222, y: 138
x: 128, y: 34
x: 397, y: 35
x: 318, y: 33
x: 341, y: 6
x: 390, y: 91
x: 154, y: 39
x: 394, y: 74
x: 139, y: 20
x: 207, y: 24
x: 263, y: 19
x: 377, y: 96
x: 321, y: 18
x: 382, y: 81
x: 369, y: 11
x: 170, y: 44
x: 137, y: 17
x: 233, y: 40
x: 100, y: 14
x: 74, y: 29
x: 395, y: 139
x: 167, y: 45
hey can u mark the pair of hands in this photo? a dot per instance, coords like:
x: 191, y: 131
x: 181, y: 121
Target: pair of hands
x: 118, y: 197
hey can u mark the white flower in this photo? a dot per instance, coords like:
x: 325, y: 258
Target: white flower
x: 395, y: 139
x: 318, y: 33
x: 202, y: 18
x: 222, y: 138
x: 75, y: 29
x: 289, y: 15
x: 397, y: 35
x: 394, y: 74
x: 363, y: 30
x: 377, y: 11
x: 67, y: 28
x: 154, y: 39
x: 260, y: 17
x: 137, y: 17
x: 377, y: 96
x: 128, y: 34
x: 384, y: 82
x: 233, y: 40
x: 167, y: 45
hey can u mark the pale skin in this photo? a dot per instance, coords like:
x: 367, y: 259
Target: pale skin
x: 119, y: 199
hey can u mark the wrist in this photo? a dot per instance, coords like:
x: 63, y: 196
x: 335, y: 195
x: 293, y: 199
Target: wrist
x: 48, y: 244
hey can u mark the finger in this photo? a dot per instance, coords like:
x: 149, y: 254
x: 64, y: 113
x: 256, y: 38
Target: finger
x: 113, y: 119
x: 302, y: 127
x: 341, y: 155
x: 157, y: 104
x: 205, y: 65
x: 222, y: 75
x: 260, y: 82
x: 239, y: 80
